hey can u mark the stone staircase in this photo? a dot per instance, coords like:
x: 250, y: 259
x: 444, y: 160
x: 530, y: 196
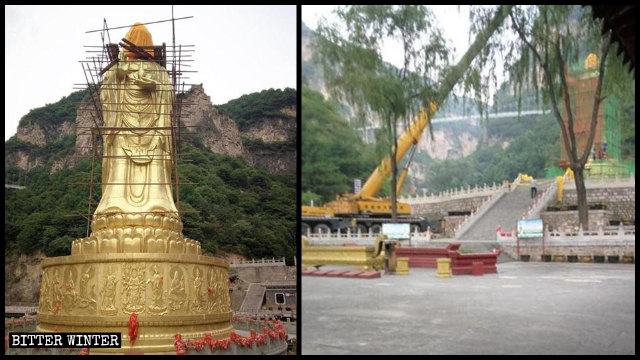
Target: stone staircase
x: 505, y: 212
x: 253, y: 300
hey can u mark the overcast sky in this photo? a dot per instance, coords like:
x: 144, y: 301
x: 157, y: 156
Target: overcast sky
x: 453, y: 20
x: 239, y: 49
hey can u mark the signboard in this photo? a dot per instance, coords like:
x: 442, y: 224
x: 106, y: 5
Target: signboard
x: 357, y: 185
x: 531, y: 228
x: 396, y: 231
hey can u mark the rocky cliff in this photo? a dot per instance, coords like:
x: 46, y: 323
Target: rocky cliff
x: 58, y: 135
x: 22, y: 279
x: 268, y: 127
x: 218, y: 131
x: 273, y: 130
x: 271, y: 142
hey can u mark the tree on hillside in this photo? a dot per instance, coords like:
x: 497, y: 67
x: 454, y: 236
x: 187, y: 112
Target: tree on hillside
x: 329, y: 162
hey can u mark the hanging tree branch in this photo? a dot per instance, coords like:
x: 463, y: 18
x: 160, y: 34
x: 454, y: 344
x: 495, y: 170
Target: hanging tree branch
x: 567, y: 103
x: 549, y: 80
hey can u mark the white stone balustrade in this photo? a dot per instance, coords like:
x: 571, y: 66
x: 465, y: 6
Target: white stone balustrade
x: 602, y: 236
x: 361, y: 239
x: 452, y: 194
x: 260, y: 262
x: 603, y: 182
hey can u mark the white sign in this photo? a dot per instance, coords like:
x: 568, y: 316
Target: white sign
x: 357, y: 185
x: 396, y: 231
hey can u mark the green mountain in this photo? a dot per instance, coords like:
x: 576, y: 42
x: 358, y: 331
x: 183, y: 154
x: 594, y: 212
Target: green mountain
x: 267, y: 104
x: 267, y: 123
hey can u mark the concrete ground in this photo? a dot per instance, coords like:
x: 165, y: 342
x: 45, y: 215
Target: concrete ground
x: 527, y: 308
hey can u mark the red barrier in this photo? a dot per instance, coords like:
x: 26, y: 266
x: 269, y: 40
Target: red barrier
x: 425, y: 257
x: 462, y: 264
x: 476, y: 268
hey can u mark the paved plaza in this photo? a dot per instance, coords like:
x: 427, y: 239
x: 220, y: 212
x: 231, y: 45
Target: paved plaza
x: 527, y: 308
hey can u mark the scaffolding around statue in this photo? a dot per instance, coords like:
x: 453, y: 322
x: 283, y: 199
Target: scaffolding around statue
x: 134, y: 258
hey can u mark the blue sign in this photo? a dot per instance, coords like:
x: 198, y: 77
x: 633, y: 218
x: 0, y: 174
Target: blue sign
x: 531, y: 228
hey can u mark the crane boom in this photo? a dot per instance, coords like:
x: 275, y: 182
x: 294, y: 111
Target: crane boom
x: 412, y: 134
x: 408, y: 138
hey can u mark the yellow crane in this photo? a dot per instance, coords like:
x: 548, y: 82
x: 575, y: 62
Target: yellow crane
x: 364, y: 208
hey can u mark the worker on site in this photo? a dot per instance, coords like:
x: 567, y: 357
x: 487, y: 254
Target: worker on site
x: 534, y: 190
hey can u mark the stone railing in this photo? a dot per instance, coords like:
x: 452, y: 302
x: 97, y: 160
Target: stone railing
x: 603, y: 236
x: 605, y: 182
x: 483, y: 209
x: 453, y: 194
x: 261, y: 262
x: 27, y: 310
x: 607, y: 235
x: 362, y: 239
x: 541, y: 201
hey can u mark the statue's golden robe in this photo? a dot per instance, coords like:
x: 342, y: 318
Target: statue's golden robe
x: 136, y: 96
x: 136, y: 212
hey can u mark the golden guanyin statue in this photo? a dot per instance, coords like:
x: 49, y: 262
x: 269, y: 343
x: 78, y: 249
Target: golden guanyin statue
x: 136, y: 212
x: 136, y: 260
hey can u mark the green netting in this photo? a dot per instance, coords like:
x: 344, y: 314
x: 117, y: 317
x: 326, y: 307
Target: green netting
x: 612, y: 130
x: 609, y: 168
x: 631, y: 166
x: 553, y: 172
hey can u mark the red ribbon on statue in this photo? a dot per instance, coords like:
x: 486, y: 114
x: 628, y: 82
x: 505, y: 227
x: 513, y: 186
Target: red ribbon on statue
x: 261, y: 339
x: 210, y: 290
x: 84, y: 351
x: 58, y: 307
x: 208, y: 340
x: 180, y: 350
x: 133, y: 328
x: 224, y: 344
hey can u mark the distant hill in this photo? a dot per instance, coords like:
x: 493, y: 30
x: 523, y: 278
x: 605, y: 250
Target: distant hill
x: 267, y: 123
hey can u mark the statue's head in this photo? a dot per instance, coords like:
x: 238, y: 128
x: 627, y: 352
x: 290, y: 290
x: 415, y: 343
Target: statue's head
x: 139, y: 35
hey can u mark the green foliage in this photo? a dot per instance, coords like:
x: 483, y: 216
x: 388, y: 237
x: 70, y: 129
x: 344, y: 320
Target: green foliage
x: 252, y: 144
x: 524, y: 154
x: 56, y: 113
x: 309, y: 196
x: 241, y: 209
x: 355, y: 71
x: 332, y: 154
x: 35, y: 217
x: 267, y: 104
x: 47, y: 154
